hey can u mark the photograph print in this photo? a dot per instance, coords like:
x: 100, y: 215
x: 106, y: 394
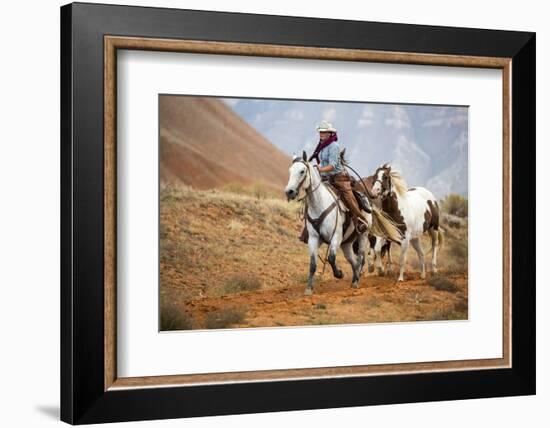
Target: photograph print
x: 281, y: 212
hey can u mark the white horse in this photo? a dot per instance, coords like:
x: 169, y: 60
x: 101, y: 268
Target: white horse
x: 415, y: 211
x: 326, y: 218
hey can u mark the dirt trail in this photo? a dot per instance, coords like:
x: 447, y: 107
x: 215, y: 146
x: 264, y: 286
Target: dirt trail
x: 233, y: 260
x: 379, y: 299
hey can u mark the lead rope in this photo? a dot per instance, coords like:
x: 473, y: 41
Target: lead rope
x: 358, y: 176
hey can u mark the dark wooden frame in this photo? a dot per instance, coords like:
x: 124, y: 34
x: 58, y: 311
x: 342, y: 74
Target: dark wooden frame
x: 114, y: 43
x: 87, y: 377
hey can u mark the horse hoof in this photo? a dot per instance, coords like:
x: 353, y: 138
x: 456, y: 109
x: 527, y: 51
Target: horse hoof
x: 422, y: 276
x: 371, y: 269
x: 339, y: 274
x: 381, y: 272
x: 400, y: 279
x: 308, y: 292
x: 355, y: 285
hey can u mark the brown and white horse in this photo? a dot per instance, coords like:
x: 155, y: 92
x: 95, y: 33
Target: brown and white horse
x: 414, y: 210
x: 364, y: 185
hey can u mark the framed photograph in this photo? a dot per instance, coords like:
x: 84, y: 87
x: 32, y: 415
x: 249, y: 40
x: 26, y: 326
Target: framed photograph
x: 266, y: 213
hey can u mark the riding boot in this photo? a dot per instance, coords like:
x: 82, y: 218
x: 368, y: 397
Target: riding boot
x: 360, y: 224
x: 342, y: 183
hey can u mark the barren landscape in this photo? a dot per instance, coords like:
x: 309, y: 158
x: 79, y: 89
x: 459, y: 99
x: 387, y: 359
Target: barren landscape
x: 229, y: 250
x: 204, y: 144
x: 230, y: 258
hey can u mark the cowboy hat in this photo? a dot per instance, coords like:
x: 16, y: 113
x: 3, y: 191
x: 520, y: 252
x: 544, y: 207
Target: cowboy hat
x: 325, y: 126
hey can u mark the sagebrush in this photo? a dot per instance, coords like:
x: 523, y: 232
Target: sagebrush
x: 456, y: 205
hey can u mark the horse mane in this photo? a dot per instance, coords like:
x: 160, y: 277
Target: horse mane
x: 313, y: 170
x: 399, y: 183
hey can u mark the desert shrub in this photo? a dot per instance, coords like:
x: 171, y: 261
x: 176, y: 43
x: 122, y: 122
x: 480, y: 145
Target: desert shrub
x: 373, y: 303
x: 238, y: 283
x: 170, y: 195
x: 326, y: 321
x: 174, y: 252
x: 224, y: 318
x: 441, y: 283
x: 459, y: 251
x: 455, y: 268
x: 456, y: 205
x: 446, y: 313
x: 173, y: 318
x: 461, y: 305
x: 454, y: 221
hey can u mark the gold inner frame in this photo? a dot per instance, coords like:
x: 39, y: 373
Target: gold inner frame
x: 112, y: 43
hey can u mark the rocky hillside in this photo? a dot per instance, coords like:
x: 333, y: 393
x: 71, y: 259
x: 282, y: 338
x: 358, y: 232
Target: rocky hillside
x: 203, y: 143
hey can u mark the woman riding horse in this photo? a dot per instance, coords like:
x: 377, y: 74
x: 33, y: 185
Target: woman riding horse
x: 327, y: 155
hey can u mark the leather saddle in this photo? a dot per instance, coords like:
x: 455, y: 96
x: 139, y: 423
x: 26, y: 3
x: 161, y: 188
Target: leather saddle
x: 363, y: 201
x: 336, y: 193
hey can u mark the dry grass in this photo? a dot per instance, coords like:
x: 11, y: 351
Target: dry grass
x: 441, y: 283
x: 239, y: 283
x: 453, y: 221
x: 224, y: 318
x: 446, y: 313
x: 373, y: 303
x: 206, y: 237
x: 459, y: 250
x: 258, y: 190
x: 235, y: 226
x: 173, y: 318
x: 461, y: 305
x: 455, y: 205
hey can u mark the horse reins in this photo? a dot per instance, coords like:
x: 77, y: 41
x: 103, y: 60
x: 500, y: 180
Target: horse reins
x: 381, y: 184
x: 360, y: 178
x: 299, y: 187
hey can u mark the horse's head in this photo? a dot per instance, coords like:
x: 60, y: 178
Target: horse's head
x: 299, y: 176
x: 382, y: 180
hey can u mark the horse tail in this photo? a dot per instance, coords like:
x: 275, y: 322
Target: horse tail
x: 384, y: 226
x: 439, y: 242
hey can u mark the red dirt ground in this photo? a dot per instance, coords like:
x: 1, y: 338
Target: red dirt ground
x: 233, y: 260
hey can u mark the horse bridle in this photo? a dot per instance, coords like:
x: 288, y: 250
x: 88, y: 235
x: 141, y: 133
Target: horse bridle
x: 382, y: 184
x: 299, y: 187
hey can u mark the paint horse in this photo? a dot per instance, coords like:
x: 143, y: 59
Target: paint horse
x: 328, y: 221
x: 364, y: 185
x: 414, y: 210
